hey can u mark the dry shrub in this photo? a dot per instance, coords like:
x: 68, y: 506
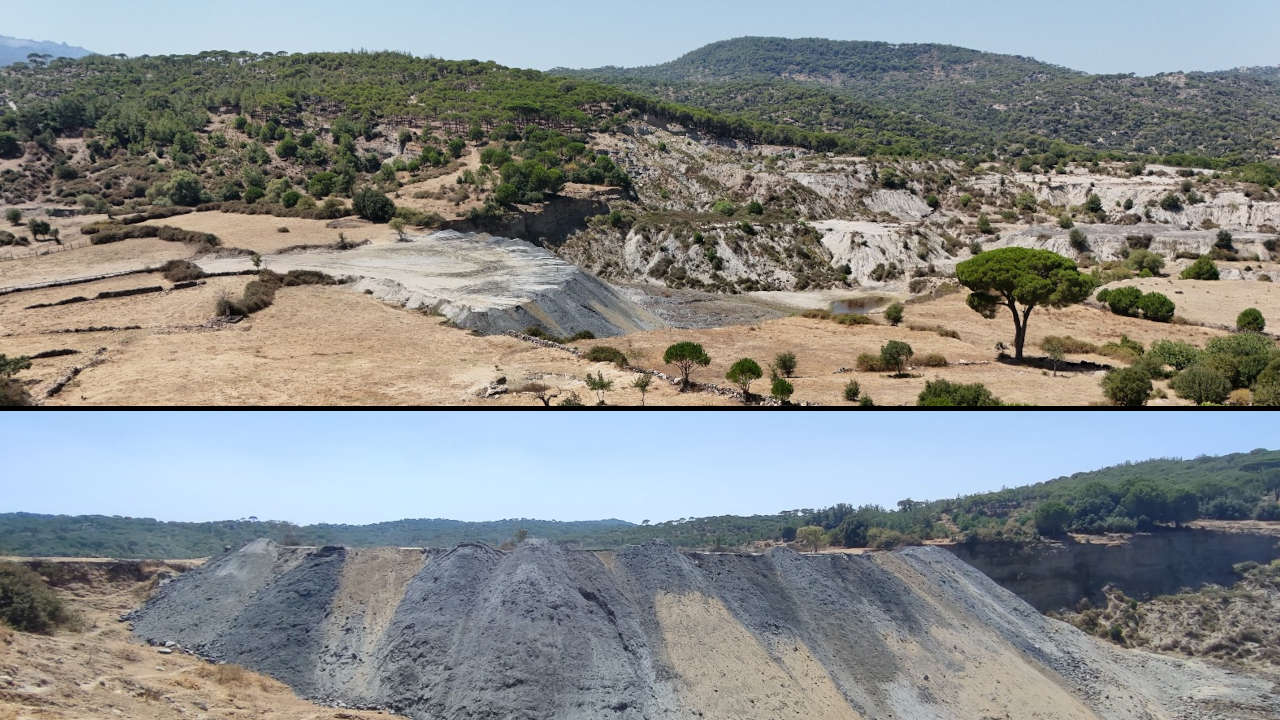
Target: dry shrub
x: 945, y: 332
x: 931, y: 360
x: 1070, y: 345
x: 181, y: 271
x: 227, y: 675
x: 1240, y: 398
x: 868, y: 362
x: 259, y: 294
x: 128, y: 654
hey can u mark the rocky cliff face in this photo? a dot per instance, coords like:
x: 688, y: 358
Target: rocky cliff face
x: 1055, y: 575
x: 650, y: 632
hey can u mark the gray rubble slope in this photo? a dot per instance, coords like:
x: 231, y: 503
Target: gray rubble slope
x: 479, y: 282
x: 548, y: 632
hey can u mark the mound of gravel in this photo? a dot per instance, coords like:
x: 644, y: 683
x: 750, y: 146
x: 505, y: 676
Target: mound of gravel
x: 651, y: 632
x: 479, y: 282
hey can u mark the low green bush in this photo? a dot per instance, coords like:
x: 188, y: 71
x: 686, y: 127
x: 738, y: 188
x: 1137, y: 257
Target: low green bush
x: 27, y: 603
x: 604, y: 353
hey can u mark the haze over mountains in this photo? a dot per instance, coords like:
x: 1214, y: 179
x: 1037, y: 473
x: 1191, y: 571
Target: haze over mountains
x: 14, y: 50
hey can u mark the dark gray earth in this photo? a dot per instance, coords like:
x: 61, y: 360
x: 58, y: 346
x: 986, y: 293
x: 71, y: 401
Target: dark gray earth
x: 546, y: 632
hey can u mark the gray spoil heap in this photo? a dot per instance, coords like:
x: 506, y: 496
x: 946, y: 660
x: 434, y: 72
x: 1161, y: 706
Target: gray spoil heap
x: 479, y: 282
x: 651, y: 632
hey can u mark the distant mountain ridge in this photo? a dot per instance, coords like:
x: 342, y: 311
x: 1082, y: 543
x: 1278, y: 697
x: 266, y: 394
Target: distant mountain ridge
x: 953, y: 98
x: 14, y: 50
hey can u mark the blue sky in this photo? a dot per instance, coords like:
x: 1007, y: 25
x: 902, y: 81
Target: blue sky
x: 1141, y: 36
x: 369, y: 467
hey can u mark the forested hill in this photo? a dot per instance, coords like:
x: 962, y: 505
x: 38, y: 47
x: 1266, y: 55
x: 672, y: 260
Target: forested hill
x: 1147, y: 496
x: 969, y: 100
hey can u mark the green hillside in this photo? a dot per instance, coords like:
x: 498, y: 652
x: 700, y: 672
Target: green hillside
x: 1124, y: 498
x: 955, y: 99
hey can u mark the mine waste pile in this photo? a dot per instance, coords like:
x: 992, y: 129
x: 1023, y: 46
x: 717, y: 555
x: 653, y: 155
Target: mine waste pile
x: 651, y: 632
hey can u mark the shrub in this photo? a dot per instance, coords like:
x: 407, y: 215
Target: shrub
x: 1251, y: 320
x: 782, y: 390
x: 1104, y: 295
x: 1124, y: 301
x: 604, y: 353
x: 1241, y: 357
x: 755, y: 208
x: 1171, y: 203
x: 1068, y: 345
x: 932, y: 360
x: 785, y: 364
x: 895, y: 354
x: 1240, y: 398
x: 1266, y: 391
x: 373, y: 205
x: 1202, y: 269
x: 1124, y: 350
x: 1079, y: 241
x: 1128, y: 387
x: 1156, y: 307
x: 1144, y: 260
x: 894, y: 313
x: 1051, y: 518
x: 27, y: 603
x: 1225, y: 241
x: 743, y: 373
x: 852, y: 391
x: 942, y: 393
x: 13, y: 215
x: 181, y: 271
x: 724, y: 207
x: 1202, y: 385
x: 867, y: 362
x: 1177, y: 355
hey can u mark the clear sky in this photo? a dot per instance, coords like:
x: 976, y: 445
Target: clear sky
x: 358, y: 467
x: 1141, y: 36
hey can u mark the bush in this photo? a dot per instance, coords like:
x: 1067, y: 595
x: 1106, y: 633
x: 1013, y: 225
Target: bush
x: 27, y: 603
x: 894, y: 313
x: 852, y: 391
x: 373, y: 205
x: 942, y: 393
x: 1079, y: 241
x: 1144, y: 260
x: 1051, y: 518
x: 604, y: 353
x: 1068, y: 345
x: 181, y: 271
x: 932, y: 360
x: 1171, y: 203
x: 870, y: 363
x: 1202, y: 269
x: 1266, y: 392
x: 1124, y: 301
x: 726, y: 208
x: 1241, y: 357
x: 1128, y: 387
x: 1202, y: 385
x: 785, y: 364
x: 1251, y: 320
x: 1177, y: 355
x: 1156, y: 307
x: 1104, y: 295
x: 895, y: 355
x: 755, y: 208
x: 782, y: 390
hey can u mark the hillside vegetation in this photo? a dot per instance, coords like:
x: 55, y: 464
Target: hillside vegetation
x: 1124, y: 498
x: 951, y: 98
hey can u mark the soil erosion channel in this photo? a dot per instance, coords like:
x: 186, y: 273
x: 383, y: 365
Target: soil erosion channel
x: 651, y: 632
